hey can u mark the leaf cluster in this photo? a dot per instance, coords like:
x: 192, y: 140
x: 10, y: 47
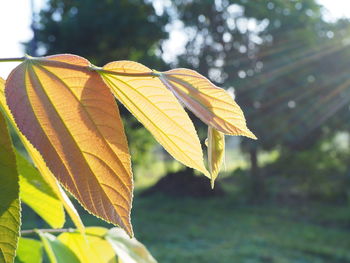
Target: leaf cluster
x: 63, y: 110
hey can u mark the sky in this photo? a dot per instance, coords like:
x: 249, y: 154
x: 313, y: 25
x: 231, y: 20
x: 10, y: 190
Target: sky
x: 15, y: 17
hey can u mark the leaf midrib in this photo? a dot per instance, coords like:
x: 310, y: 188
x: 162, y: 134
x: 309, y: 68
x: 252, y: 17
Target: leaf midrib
x: 199, y: 103
x: 88, y: 114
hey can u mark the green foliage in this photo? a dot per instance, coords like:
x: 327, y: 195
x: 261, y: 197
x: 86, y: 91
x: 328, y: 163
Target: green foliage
x: 100, y: 32
x: 142, y: 149
x: 9, y: 197
x: 128, y: 250
x: 318, y: 173
x: 29, y: 251
x: 97, y: 245
x: 56, y: 250
x: 34, y: 189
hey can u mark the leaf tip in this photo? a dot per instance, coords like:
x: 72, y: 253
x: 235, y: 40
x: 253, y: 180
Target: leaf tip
x: 250, y: 135
x: 129, y: 231
x: 212, y: 182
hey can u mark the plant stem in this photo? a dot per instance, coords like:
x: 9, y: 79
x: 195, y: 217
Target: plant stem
x: 94, y: 68
x: 58, y: 230
x: 119, y: 73
x: 12, y: 59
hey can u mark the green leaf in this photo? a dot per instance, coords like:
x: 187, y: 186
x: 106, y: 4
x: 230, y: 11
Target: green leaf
x: 29, y: 251
x: 2, y: 257
x: 56, y: 250
x: 129, y: 250
x: 92, y: 248
x: 9, y: 196
x: 38, y: 195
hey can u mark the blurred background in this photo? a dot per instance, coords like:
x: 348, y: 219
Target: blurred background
x: 283, y: 198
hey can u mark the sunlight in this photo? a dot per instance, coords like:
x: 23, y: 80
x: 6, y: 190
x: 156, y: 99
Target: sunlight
x: 335, y: 9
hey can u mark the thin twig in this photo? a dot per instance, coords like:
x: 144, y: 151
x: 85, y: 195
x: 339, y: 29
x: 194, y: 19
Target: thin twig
x: 58, y: 230
x: 12, y: 59
x: 128, y: 74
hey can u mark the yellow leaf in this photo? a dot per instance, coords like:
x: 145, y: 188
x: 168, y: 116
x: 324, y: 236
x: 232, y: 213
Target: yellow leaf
x: 40, y: 164
x: 91, y: 248
x: 157, y: 109
x: 211, y: 104
x: 68, y: 113
x: 216, y: 152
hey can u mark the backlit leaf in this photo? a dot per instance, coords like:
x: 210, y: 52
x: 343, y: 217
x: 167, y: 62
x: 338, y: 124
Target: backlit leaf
x: 216, y: 152
x: 157, y: 109
x: 9, y: 197
x: 211, y: 104
x: 40, y: 164
x: 29, y: 251
x: 129, y: 250
x: 56, y: 251
x: 68, y: 113
x: 38, y: 195
x: 91, y: 248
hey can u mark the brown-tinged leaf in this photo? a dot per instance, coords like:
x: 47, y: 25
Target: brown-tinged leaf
x: 40, y: 164
x: 68, y: 113
x: 157, y: 109
x: 211, y: 104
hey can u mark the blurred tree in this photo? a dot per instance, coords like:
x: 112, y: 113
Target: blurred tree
x: 280, y: 58
x: 104, y: 31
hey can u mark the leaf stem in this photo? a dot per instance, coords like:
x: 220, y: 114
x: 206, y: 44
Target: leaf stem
x: 92, y: 67
x: 58, y: 230
x: 119, y: 73
x: 12, y: 59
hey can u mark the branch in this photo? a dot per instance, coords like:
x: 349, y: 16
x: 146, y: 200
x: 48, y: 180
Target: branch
x: 12, y: 59
x: 91, y: 67
x: 128, y: 74
x: 58, y: 230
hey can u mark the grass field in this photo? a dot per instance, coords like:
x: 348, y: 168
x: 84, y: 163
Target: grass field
x: 178, y: 230
x: 229, y: 230
x: 217, y: 230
